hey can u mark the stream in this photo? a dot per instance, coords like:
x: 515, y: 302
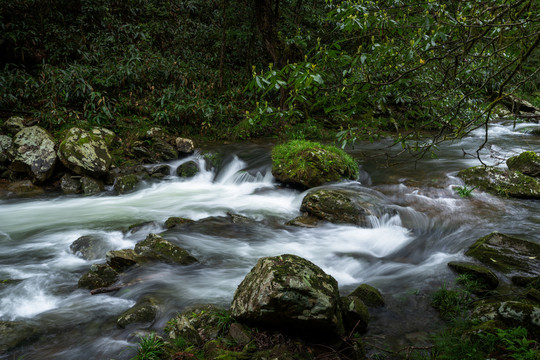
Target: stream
x: 404, y: 255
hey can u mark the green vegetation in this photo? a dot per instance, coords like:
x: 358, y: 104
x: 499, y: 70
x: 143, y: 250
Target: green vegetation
x: 151, y: 347
x: 293, y: 69
x: 464, y: 191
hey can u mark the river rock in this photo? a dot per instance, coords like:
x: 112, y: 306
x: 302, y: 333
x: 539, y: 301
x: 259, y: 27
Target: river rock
x: 145, y: 311
x: 307, y: 164
x: 85, y: 153
x: 501, y: 182
x: 188, y: 169
x: 126, y: 183
x: 121, y: 260
x: 89, y: 247
x: 157, y: 248
x: 14, y: 334
x: 198, y: 323
x: 160, y: 171
x: 289, y: 293
x: 33, y: 153
x: 184, y: 146
x: 527, y: 162
x: 13, y: 125
x: 509, y: 313
x: 177, y: 222
x: 5, y: 144
x: 486, y: 279
x: 355, y: 314
x: 91, y: 186
x: 24, y: 188
x: 70, y: 184
x: 344, y: 206
x: 99, y: 275
x: 507, y: 254
x: 369, y: 295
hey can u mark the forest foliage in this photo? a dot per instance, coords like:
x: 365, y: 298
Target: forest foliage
x: 221, y: 68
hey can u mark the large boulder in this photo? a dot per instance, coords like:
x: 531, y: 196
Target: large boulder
x: 33, y: 153
x: 308, y: 164
x: 345, y: 206
x: 501, y: 182
x: 507, y: 254
x: 527, y: 162
x: 289, y: 293
x: 85, y: 153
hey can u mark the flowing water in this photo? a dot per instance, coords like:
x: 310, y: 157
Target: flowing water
x: 403, y: 255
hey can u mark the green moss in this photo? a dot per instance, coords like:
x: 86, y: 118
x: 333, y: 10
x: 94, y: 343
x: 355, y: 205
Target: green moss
x: 310, y: 164
x: 369, y: 295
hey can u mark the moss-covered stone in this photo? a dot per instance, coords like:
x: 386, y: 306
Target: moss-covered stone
x: 369, y: 295
x: 304, y: 221
x: 126, y: 183
x: 33, y: 152
x: 344, y: 206
x: 510, y: 313
x: 308, y: 164
x: 13, y: 125
x: 144, y: 311
x: 157, y: 248
x: 70, y: 184
x: 91, y: 186
x: 121, y: 260
x: 188, y: 169
x: 501, y: 182
x: 176, y: 222
x: 355, y: 314
x: 24, y: 189
x: 507, y: 254
x: 528, y: 163
x: 486, y: 279
x: 99, y: 275
x: 85, y: 153
x: 291, y: 294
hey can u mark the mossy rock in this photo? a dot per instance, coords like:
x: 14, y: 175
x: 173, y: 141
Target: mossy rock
x: 305, y: 221
x: 344, y: 206
x: 308, y: 164
x: 13, y: 125
x: 527, y: 163
x: 507, y: 254
x: 501, y: 182
x: 369, y: 295
x: 355, y: 314
x: 527, y: 281
x: 177, y: 222
x: 157, y: 248
x: 121, y: 260
x: 99, y: 275
x: 24, y: 189
x: 91, y: 186
x: 509, y: 313
x: 188, y: 169
x: 486, y: 279
x: 198, y: 322
x: 145, y: 311
x: 289, y: 293
x: 89, y: 247
x: 125, y: 184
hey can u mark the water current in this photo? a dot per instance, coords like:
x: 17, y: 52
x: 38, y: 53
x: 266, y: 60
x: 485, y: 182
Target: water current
x: 403, y: 255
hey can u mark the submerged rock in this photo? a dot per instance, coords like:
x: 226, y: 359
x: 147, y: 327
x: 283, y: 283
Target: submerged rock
x: 344, y: 206
x: 89, y: 247
x: 289, y: 293
x: 501, y: 182
x: 145, y: 311
x: 155, y: 247
x: 527, y: 162
x: 14, y: 334
x: 33, y: 152
x: 85, y: 153
x: 507, y: 254
x: 309, y: 164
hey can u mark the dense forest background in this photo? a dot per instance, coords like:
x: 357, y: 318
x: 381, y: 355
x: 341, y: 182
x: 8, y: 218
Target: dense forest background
x: 225, y: 69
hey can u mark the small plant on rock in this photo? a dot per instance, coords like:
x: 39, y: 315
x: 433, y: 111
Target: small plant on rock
x: 151, y: 347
